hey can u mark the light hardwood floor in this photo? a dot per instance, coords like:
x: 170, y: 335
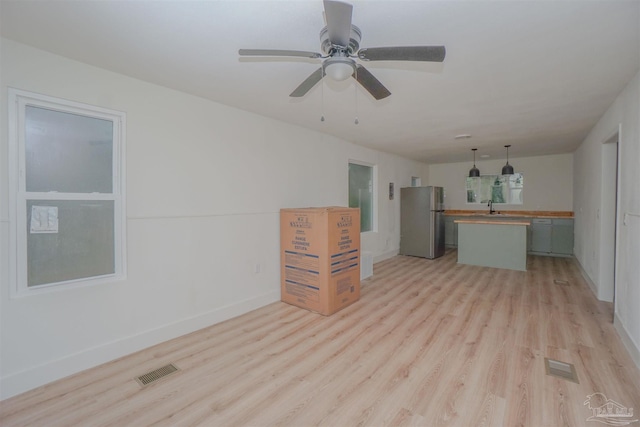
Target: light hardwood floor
x: 430, y: 343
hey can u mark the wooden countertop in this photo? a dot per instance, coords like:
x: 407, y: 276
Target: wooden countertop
x: 492, y: 222
x: 524, y: 214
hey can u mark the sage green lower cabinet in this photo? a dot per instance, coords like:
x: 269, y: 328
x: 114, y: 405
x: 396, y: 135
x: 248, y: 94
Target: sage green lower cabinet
x: 562, y: 236
x: 493, y: 244
x: 553, y: 237
x: 545, y: 236
x: 540, y: 236
x: 450, y: 232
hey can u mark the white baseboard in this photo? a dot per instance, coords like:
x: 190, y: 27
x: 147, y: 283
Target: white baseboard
x: 366, y: 265
x: 632, y: 347
x: 586, y: 277
x: 385, y: 255
x: 23, y: 381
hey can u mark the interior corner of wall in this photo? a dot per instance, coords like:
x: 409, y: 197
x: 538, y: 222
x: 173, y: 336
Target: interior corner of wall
x: 632, y: 347
x: 587, y: 278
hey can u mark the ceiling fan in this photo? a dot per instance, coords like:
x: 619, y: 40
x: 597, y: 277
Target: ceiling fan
x: 340, y: 44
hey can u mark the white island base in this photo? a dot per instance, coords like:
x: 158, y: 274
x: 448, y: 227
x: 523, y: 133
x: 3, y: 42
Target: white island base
x: 498, y: 244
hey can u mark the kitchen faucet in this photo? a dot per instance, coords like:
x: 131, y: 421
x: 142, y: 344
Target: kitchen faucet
x: 490, y: 204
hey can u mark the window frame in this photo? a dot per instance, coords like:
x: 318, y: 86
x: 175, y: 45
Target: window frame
x: 374, y: 194
x: 475, y: 184
x: 18, y: 195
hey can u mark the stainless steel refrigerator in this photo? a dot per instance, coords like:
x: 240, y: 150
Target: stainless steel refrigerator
x: 422, y: 221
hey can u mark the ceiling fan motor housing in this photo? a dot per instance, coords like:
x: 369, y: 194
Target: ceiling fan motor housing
x: 354, y: 41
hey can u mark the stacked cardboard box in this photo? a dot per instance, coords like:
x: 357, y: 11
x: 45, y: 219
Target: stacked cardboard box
x: 320, y: 257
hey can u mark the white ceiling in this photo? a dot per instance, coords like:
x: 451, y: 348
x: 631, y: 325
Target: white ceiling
x: 534, y: 74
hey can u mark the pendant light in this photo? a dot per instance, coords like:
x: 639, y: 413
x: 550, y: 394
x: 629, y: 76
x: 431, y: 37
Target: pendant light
x: 507, y: 169
x: 474, y: 171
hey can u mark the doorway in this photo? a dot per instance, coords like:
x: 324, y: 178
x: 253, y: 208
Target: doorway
x: 608, y: 219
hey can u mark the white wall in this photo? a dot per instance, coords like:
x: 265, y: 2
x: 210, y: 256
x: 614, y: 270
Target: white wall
x: 623, y: 117
x: 541, y: 174
x: 205, y: 183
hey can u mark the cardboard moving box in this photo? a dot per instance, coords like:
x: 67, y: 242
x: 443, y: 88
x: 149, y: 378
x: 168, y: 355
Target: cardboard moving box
x: 320, y: 257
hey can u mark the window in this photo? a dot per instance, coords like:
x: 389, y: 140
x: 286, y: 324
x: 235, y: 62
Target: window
x: 362, y: 193
x: 505, y: 189
x: 67, y: 185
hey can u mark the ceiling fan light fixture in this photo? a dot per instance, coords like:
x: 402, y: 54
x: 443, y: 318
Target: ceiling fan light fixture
x: 339, y: 68
x: 507, y: 169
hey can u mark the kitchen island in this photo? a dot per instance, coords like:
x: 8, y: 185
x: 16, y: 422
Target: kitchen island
x: 493, y: 243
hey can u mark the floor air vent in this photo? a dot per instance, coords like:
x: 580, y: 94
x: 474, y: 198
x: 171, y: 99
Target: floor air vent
x: 560, y: 369
x: 155, y: 375
x: 561, y: 282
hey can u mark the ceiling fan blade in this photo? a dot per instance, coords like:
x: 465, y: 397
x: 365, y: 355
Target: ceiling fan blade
x: 403, y: 53
x: 370, y: 83
x: 276, y: 52
x: 309, y: 82
x: 338, y: 16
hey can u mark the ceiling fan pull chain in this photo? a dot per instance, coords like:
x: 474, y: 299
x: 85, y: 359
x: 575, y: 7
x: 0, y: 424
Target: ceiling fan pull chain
x: 322, y: 99
x: 355, y: 88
